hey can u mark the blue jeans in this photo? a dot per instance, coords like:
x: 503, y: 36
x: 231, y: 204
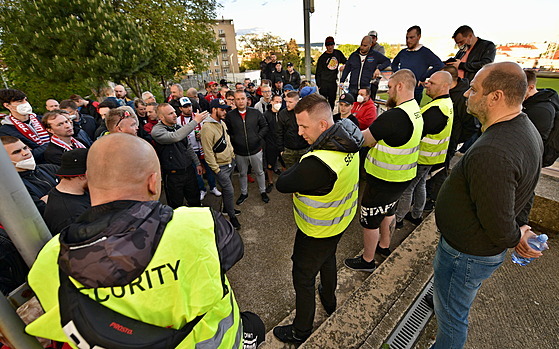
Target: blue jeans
x: 458, y: 277
x: 209, y: 174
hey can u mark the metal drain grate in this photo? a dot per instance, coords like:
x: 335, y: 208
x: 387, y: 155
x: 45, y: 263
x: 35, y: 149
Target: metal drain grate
x: 408, y: 330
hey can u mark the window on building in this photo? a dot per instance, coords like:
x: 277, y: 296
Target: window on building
x: 224, y: 56
x: 223, y: 41
x: 226, y: 63
x: 225, y: 70
x: 216, y: 62
x: 223, y: 47
x: 220, y: 31
x: 217, y: 70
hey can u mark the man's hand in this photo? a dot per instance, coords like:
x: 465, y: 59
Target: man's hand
x: 523, y: 249
x: 45, y: 198
x: 456, y: 64
x: 376, y: 74
x: 341, y: 86
x: 200, y: 170
x: 199, y: 117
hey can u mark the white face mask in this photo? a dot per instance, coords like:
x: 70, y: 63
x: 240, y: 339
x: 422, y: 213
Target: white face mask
x: 24, y: 109
x: 276, y: 106
x: 27, y: 164
x: 360, y: 99
x: 72, y: 116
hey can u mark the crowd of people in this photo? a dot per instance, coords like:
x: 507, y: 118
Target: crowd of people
x: 111, y: 231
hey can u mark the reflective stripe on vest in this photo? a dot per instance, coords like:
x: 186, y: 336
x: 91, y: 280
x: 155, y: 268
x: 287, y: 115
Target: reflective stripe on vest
x: 167, y: 294
x: 433, y: 147
x: 397, y: 164
x: 322, y: 216
x: 224, y: 325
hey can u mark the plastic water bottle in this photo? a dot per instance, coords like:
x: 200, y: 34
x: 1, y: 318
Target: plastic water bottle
x: 538, y: 243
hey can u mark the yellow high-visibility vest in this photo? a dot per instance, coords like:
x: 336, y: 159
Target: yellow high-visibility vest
x: 322, y: 216
x: 433, y: 147
x: 397, y: 164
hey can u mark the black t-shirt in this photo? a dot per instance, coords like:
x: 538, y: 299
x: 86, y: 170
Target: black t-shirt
x: 63, y: 209
x: 434, y: 121
x: 311, y: 176
x: 393, y: 126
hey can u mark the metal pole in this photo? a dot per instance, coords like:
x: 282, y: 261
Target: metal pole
x: 18, y: 213
x: 12, y: 327
x: 307, y: 29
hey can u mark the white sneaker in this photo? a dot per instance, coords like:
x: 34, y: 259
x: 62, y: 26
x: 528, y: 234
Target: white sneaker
x: 202, y: 194
x: 215, y: 191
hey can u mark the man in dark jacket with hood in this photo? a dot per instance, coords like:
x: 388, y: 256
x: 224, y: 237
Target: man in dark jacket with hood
x: 38, y: 179
x: 540, y: 106
x: 325, y: 184
x: 364, y: 64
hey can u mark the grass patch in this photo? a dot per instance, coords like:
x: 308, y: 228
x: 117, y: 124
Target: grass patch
x: 548, y: 83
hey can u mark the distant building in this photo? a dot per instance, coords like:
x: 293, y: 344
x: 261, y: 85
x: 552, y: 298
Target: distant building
x: 227, y: 60
x: 533, y: 55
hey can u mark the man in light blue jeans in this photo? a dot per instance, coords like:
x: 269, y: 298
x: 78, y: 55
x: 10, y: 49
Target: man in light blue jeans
x: 478, y: 204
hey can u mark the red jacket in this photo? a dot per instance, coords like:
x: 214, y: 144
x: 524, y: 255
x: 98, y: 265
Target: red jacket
x: 365, y: 113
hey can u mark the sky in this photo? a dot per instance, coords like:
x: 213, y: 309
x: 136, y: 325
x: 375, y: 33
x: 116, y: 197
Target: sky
x: 499, y: 21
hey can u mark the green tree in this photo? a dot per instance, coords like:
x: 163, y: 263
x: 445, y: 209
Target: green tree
x: 57, y: 42
x: 255, y: 47
x: 390, y: 50
x: 347, y: 49
x: 181, y: 37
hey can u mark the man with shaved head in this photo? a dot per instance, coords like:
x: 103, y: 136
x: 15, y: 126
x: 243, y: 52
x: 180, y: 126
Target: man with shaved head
x: 391, y: 164
x: 137, y: 267
x: 120, y: 94
x: 437, y: 126
x: 325, y: 185
x: 479, y: 203
x: 364, y: 64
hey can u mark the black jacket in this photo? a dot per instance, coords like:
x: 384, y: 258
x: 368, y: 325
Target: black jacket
x: 278, y: 76
x: 287, y: 132
x: 361, y: 75
x: 246, y: 135
x: 39, y: 182
x: 481, y: 54
x: 294, y: 79
x: 541, y: 109
x: 463, y: 126
x: 172, y: 147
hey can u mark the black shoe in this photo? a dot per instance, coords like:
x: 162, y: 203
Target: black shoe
x: 269, y: 187
x: 359, y: 263
x: 265, y: 197
x: 429, y: 205
x: 385, y: 252
x: 237, y: 212
x: 416, y: 221
x: 242, y: 199
x: 286, y: 334
x: 429, y: 300
x: 328, y: 308
x: 400, y: 224
x: 235, y: 222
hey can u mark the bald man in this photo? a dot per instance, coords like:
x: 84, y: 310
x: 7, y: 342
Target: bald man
x: 51, y: 104
x: 156, y: 267
x: 120, y: 94
x: 325, y: 186
x: 364, y: 64
x: 438, y: 116
x: 391, y: 164
x: 479, y: 202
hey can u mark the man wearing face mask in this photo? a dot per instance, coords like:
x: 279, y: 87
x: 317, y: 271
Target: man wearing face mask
x: 61, y: 130
x: 473, y: 53
x: 364, y: 109
x: 38, y: 179
x: 22, y: 123
x: 271, y: 150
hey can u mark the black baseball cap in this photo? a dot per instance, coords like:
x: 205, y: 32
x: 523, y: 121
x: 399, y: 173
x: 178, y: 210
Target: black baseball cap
x: 329, y: 41
x: 346, y: 98
x: 219, y: 103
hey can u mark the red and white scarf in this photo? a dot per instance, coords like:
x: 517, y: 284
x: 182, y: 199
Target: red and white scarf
x: 75, y: 143
x: 36, y: 133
